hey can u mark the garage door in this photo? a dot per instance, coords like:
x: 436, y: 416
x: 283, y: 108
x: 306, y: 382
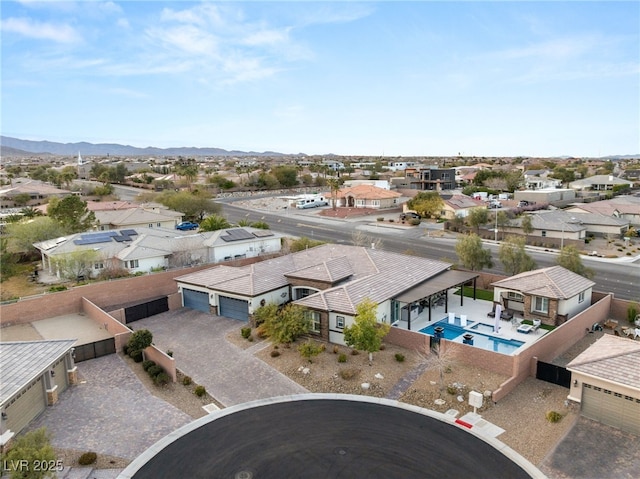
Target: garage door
x: 234, y: 308
x: 25, y: 407
x: 195, y: 300
x: 60, y: 378
x: 614, y: 409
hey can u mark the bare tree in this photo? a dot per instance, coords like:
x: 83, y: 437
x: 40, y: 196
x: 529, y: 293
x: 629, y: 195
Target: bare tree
x: 442, y: 361
x: 358, y: 238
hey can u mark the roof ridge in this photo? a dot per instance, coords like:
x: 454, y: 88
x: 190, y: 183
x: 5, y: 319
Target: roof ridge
x: 607, y: 356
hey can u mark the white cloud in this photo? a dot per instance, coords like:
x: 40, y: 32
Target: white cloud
x: 27, y: 27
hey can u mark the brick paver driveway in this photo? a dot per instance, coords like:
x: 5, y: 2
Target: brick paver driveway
x: 229, y: 374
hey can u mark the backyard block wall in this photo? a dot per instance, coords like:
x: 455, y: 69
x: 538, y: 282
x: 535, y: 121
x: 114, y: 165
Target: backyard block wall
x: 161, y: 359
x: 482, y: 358
x: 117, y: 328
x: 408, y: 339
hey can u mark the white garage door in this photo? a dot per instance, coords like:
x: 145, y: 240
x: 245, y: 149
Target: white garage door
x: 25, y: 407
x: 234, y: 308
x: 60, y: 378
x: 614, y: 409
x: 195, y: 300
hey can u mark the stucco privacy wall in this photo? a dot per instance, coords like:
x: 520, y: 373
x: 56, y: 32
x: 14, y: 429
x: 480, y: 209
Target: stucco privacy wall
x: 162, y: 359
x: 119, y: 291
x: 119, y: 331
x: 408, y: 339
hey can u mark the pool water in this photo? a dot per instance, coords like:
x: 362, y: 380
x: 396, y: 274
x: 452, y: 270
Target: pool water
x: 453, y: 332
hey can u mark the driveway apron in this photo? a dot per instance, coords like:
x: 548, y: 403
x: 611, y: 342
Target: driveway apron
x: 199, y: 345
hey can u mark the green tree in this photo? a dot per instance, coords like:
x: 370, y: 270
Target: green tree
x: 268, y: 312
x: 310, y: 349
x: 503, y: 221
x: 366, y: 332
x: 76, y: 264
x: 334, y: 184
x: 427, y: 204
x: 68, y: 174
x: 140, y: 340
x: 514, y: 257
x: 261, y: 225
x: 478, y: 217
x: 35, y: 448
x: 287, y: 176
x: 527, y: 226
x: 563, y: 174
x: 30, y: 212
x: 214, y: 223
x: 471, y: 253
x: 7, y: 260
x: 570, y: 259
x: 21, y: 199
x: 188, y: 169
x: 290, y: 323
x: 194, y: 205
x: 72, y: 213
x: 24, y: 234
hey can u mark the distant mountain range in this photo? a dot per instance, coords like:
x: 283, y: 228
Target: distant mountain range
x: 16, y: 147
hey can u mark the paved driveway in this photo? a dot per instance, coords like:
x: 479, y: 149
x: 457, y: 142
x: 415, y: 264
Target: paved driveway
x: 229, y: 374
x: 109, y: 412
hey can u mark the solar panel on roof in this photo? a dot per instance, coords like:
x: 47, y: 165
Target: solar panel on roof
x: 128, y: 232
x: 93, y: 240
x: 262, y: 233
x: 239, y: 234
x: 122, y: 238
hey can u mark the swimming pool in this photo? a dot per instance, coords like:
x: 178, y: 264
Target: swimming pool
x: 483, y: 328
x: 453, y: 332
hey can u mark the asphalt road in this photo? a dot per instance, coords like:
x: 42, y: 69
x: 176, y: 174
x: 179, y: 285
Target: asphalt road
x: 620, y: 278
x: 329, y: 438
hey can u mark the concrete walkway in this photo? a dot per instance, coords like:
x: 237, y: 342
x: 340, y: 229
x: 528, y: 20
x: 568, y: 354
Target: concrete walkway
x: 230, y: 374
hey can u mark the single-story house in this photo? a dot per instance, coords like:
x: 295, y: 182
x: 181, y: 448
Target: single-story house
x: 34, y: 374
x: 367, y: 196
x: 552, y: 295
x: 547, y: 195
x: 34, y: 192
x: 571, y: 226
x: 329, y: 280
x: 605, y: 380
x: 626, y: 207
x: 599, y: 183
x: 459, y: 206
x: 140, y: 217
x: 539, y: 179
x: 146, y: 249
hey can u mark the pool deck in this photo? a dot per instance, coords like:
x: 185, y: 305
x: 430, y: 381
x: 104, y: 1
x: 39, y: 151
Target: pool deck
x: 476, y: 312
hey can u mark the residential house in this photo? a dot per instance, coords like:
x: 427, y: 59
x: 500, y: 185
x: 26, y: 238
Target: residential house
x: 551, y: 295
x: 626, y: 207
x: 606, y: 384
x: 329, y: 280
x: 38, y: 193
x: 34, y: 374
x: 146, y: 249
x: 539, y: 180
x: 543, y: 196
x: 571, y: 225
x: 459, y: 206
x: 599, y: 183
x: 431, y: 178
x: 139, y: 217
x: 367, y: 196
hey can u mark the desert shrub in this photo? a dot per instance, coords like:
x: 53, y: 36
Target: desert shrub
x: 261, y: 332
x: 275, y: 353
x: 414, y: 221
x: 399, y: 357
x: 33, y: 447
x: 380, y: 218
x: 245, y: 332
x: 553, y: 416
x: 452, y: 389
x: 342, y: 358
x: 87, y: 458
x: 154, y: 370
x: 147, y: 364
x: 169, y: 353
x: 336, y: 349
x: 250, y: 339
x: 55, y: 289
x: 187, y: 380
x: 161, y: 379
x: 354, y: 352
x: 136, y: 355
x: 200, y: 391
x: 348, y: 373
x: 125, y: 350
x: 310, y: 349
x: 382, y: 347
x: 140, y: 340
x: 632, y: 312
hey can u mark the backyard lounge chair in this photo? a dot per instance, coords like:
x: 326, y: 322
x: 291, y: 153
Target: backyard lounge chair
x: 506, y: 315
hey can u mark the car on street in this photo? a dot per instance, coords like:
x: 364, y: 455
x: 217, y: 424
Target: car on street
x: 187, y: 226
x: 410, y: 215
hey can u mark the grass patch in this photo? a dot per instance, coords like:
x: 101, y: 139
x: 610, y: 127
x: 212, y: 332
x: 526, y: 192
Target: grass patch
x: 480, y: 293
x: 546, y: 327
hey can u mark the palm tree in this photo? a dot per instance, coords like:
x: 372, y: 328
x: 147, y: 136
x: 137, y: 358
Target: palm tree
x: 214, y: 223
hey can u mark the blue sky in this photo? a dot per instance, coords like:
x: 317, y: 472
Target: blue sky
x: 350, y: 78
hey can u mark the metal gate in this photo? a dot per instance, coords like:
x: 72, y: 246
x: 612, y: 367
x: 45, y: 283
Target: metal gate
x: 146, y: 309
x: 95, y: 350
x: 197, y: 300
x: 234, y: 308
x: 553, y: 374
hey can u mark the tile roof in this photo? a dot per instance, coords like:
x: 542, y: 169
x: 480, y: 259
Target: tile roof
x: 23, y: 361
x: 554, y: 282
x: 376, y: 274
x: 368, y: 192
x: 458, y: 202
x: 573, y: 221
x: 612, y: 358
x: 110, y: 205
x: 332, y: 270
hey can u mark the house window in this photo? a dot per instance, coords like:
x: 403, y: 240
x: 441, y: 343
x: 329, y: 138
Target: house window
x: 158, y: 225
x: 340, y: 322
x: 314, y: 317
x: 98, y: 265
x: 359, y: 202
x: 544, y: 233
x: 512, y: 295
x: 133, y: 263
x: 581, y: 297
x: 150, y: 225
x: 540, y: 305
x: 375, y: 202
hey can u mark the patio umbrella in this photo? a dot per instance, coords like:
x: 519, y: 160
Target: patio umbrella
x: 496, y: 320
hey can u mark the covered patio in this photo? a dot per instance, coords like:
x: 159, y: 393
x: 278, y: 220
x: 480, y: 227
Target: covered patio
x: 421, y: 305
